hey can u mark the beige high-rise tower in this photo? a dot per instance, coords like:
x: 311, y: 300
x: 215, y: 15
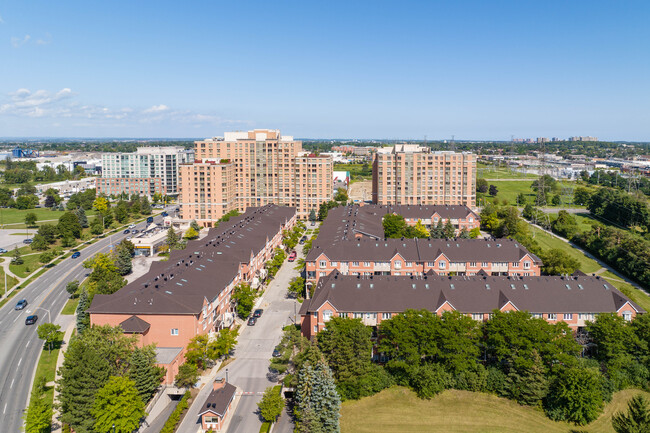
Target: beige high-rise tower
x: 411, y: 174
x: 252, y: 168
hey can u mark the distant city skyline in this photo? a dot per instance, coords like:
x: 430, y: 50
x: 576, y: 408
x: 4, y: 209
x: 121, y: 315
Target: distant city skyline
x: 366, y: 70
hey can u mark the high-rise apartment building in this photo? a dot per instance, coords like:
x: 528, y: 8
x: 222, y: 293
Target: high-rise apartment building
x: 412, y: 174
x: 252, y: 168
x: 147, y: 171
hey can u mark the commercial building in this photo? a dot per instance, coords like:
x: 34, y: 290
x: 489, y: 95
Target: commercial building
x: 412, y: 174
x: 147, y: 171
x: 573, y: 300
x: 190, y: 293
x: 253, y: 168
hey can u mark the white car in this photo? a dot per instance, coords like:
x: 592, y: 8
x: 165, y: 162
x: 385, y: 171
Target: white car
x: 132, y: 226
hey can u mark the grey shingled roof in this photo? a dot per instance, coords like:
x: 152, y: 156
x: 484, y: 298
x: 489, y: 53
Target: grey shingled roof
x: 550, y: 294
x: 135, y: 325
x: 200, y: 271
x: 218, y: 400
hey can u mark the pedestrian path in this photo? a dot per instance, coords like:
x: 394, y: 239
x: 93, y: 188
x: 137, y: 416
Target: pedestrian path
x: 57, y: 425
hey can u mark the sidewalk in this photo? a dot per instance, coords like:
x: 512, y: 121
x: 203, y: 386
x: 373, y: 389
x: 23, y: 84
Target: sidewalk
x: 57, y: 426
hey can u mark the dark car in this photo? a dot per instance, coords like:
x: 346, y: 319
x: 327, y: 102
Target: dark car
x: 164, y: 214
x: 27, y: 241
x: 127, y: 231
x: 276, y: 353
x: 134, y: 231
x: 258, y: 313
x: 149, y: 220
x: 21, y: 304
x: 30, y: 320
x: 76, y: 254
x: 252, y: 321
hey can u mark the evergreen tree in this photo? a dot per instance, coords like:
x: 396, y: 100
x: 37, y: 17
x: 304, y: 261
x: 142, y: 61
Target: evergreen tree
x: 438, y: 230
x: 464, y: 233
x: 145, y: 206
x: 325, y: 401
x: 16, y: 257
x: 144, y: 372
x: 309, y: 423
x: 83, y: 319
x: 195, y: 226
x: 448, y: 231
x: 81, y: 217
x: 172, y: 239
x: 637, y: 418
x: 529, y: 386
x: 312, y: 215
x: 124, y: 257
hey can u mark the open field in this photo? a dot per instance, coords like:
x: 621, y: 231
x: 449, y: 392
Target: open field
x: 510, y: 189
x: 46, y: 367
x: 399, y: 410
x: 641, y: 298
x: 17, y: 216
x: 547, y: 241
x: 492, y: 172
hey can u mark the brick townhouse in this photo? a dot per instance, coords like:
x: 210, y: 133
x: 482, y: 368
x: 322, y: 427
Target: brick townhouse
x: 573, y: 300
x: 189, y: 294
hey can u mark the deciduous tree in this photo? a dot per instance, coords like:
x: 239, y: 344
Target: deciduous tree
x: 118, y: 406
x: 271, y: 405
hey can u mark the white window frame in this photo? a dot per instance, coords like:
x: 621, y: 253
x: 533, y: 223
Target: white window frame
x: 322, y: 264
x: 398, y: 264
x: 567, y: 316
x: 442, y: 264
x: 551, y: 316
x: 174, y: 331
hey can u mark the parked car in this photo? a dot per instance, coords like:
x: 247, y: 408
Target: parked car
x: 30, y: 320
x: 292, y: 256
x: 252, y: 321
x: 21, y: 304
x: 76, y: 255
x: 127, y: 231
x: 132, y: 226
x: 27, y: 241
x: 258, y: 313
x: 276, y: 353
x: 2, y: 251
x: 134, y: 231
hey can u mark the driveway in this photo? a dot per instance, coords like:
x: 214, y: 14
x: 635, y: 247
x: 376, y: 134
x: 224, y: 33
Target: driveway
x: 248, y: 372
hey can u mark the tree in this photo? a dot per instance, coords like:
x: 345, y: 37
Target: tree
x: 394, y: 226
x: 17, y: 259
x: 187, y: 376
x: 118, y: 407
x: 96, y: 227
x: 26, y: 201
x: 464, y: 233
x: 558, y: 262
x: 576, y: 395
x: 49, y: 333
x: 38, y: 417
x: 69, y: 226
x: 438, y: 231
x: 528, y: 385
x: 145, y: 206
x: 481, y: 185
x: 316, y: 393
x: 197, y: 351
x: 637, y: 418
x: 312, y: 215
x: 172, y: 239
x: 72, y: 288
x: 38, y: 243
x: 347, y: 346
x: 46, y: 257
x: 50, y: 202
x: 297, y: 287
x: 81, y: 217
x: 49, y: 232
x: 581, y: 196
x: 420, y: 231
x: 101, y: 204
x: 612, y: 335
x: 191, y: 233
x: 448, y: 230
x: 341, y: 196
x: 493, y: 190
x: 475, y: 233
x: 83, y: 319
x: 521, y: 199
x: 144, y: 372
x: 195, y: 226
x: 244, y: 296
x: 548, y: 182
x: 30, y: 219
x: 457, y: 337
x: 124, y: 256
x: 223, y: 345
x: 555, y: 200
x: 271, y: 405
x: 105, y: 277
x: 121, y: 212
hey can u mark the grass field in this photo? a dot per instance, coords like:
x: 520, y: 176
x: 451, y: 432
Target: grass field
x: 70, y: 307
x: 547, y: 241
x: 510, y: 189
x: 492, y: 172
x: 16, y: 217
x: 399, y: 410
x: 30, y: 264
x: 641, y: 298
x: 47, y: 367
x: 11, y: 281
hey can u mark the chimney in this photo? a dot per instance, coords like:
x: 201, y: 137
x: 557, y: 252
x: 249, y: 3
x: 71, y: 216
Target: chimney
x: 218, y: 384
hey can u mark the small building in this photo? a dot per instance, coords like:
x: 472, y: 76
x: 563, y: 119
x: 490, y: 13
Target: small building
x: 217, y: 406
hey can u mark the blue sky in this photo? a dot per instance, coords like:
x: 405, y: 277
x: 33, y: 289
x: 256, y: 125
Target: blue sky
x: 363, y: 69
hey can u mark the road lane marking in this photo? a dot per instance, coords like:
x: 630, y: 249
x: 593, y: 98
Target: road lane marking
x: 27, y: 345
x: 12, y: 383
x: 5, y: 409
x: 19, y: 361
x: 17, y: 317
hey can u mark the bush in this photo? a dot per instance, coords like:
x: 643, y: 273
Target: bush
x: 430, y: 379
x: 175, y: 417
x: 496, y: 381
x: 472, y: 380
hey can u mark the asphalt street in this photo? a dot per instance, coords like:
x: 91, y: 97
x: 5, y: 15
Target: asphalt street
x: 252, y: 354
x: 19, y: 343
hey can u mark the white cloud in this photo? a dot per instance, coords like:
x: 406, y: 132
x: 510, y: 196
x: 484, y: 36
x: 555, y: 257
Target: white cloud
x: 156, y: 109
x: 44, y: 41
x: 1, y: 20
x: 18, y: 42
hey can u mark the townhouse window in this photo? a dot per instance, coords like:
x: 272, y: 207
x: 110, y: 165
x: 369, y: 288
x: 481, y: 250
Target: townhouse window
x: 344, y: 315
x: 398, y: 264
x: 490, y: 316
x: 568, y: 316
x: 551, y: 316
x: 627, y: 316
x: 358, y: 315
x: 366, y: 264
x: 322, y: 263
x: 471, y: 219
x: 537, y: 315
x: 472, y: 264
x: 174, y: 331
x: 515, y: 264
x: 315, y: 329
x: 334, y: 263
x: 322, y: 274
x: 327, y: 315
x: 477, y: 316
x: 484, y: 264
x: 442, y: 264
x: 409, y: 264
x: 431, y: 264
x: 355, y: 263
x: 315, y: 314
x: 385, y: 316
x: 526, y: 265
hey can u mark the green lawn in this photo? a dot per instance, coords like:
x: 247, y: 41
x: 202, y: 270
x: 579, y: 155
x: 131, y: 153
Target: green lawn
x: 399, y: 410
x: 30, y: 264
x: 47, y: 367
x: 492, y: 172
x: 510, y: 189
x: 547, y: 241
x: 11, y: 281
x: 16, y: 217
x: 640, y: 297
x: 70, y: 307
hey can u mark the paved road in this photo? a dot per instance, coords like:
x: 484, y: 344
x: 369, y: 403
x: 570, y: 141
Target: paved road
x: 19, y: 344
x: 254, y: 348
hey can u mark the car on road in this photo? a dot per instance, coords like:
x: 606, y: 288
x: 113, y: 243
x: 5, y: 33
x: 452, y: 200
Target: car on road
x: 164, y: 214
x: 132, y: 226
x: 134, y: 231
x: 149, y: 220
x: 292, y: 256
x: 127, y: 231
x: 30, y: 320
x: 28, y: 241
x: 258, y: 313
x: 252, y: 321
x: 276, y: 353
x: 21, y: 304
x: 2, y: 251
x: 76, y: 254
